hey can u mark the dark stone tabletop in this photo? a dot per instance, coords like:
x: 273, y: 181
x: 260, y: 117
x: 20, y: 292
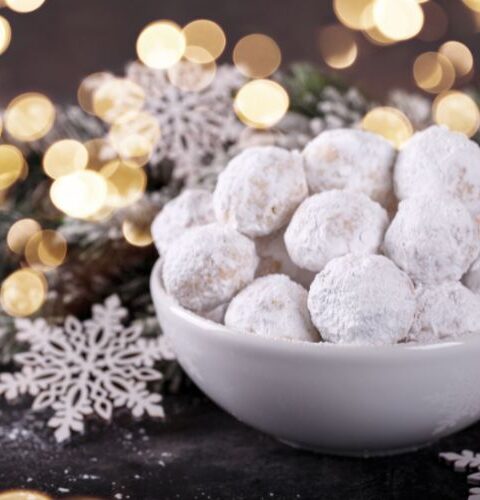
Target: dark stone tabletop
x: 200, y: 452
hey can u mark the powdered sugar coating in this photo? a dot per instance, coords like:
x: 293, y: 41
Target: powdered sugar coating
x: 472, y: 277
x: 351, y: 159
x: 334, y: 223
x: 433, y: 238
x: 362, y: 300
x: 274, y: 259
x: 208, y: 265
x: 273, y: 306
x: 447, y: 310
x: 438, y: 159
x: 259, y: 190
x: 191, y: 208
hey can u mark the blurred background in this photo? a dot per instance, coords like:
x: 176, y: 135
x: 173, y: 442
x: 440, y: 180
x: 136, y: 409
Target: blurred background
x: 55, y: 46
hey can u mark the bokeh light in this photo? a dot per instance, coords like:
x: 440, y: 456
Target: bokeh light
x: 356, y: 14
x: 88, y: 87
x: 115, y: 97
x: 126, y: 182
x: 398, y: 19
x: 460, y: 57
x: 46, y: 250
x: 161, y: 44
x: 207, y: 35
x: 433, y: 72
x: 257, y: 56
x: 390, y: 123
x: 79, y: 194
x: 139, y: 236
x: 192, y: 77
x: 5, y: 34
x: 458, y: 111
x: 29, y: 117
x: 24, y: 6
x: 338, y: 46
x: 19, y: 234
x: 64, y: 157
x: 12, y: 165
x: 473, y: 4
x: 261, y: 103
x: 23, y: 293
x: 100, y: 152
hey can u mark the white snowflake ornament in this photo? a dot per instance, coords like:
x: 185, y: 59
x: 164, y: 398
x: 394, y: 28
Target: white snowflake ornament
x: 87, y: 368
x: 474, y: 494
x: 467, y: 459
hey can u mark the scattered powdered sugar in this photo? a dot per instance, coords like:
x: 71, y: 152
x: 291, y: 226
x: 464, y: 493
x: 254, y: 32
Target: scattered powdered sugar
x: 437, y: 159
x: 445, y: 310
x: 433, y: 238
x: 207, y: 265
x: 191, y: 208
x: 362, y: 300
x: 273, y: 306
x: 332, y: 224
x: 259, y: 190
x: 351, y: 159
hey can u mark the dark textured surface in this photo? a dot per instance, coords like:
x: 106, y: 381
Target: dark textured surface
x: 202, y: 453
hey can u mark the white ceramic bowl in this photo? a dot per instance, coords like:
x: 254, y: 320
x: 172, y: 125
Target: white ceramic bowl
x: 338, y: 399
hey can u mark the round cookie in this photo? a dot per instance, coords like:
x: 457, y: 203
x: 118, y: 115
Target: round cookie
x: 445, y: 310
x: 362, y: 300
x: 259, y: 190
x: 471, y: 279
x: 208, y: 265
x: 433, y: 238
x: 191, y: 208
x: 334, y: 223
x: 273, y: 306
x: 274, y: 259
x: 440, y: 160
x: 351, y: 159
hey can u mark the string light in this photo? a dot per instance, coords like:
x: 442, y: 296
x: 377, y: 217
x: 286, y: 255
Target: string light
x: 356, y: 14
x: 261, y: 103
x: 139, y: 236
x: 29, y: 117
x: 23, y: 293
x: 398, y: 19
x: 87, y: 89
x: 458, y: 111
x: 433, y: 72
x: 257, y: 56
x: 64, y: 157
x: 390, y: 123
x: 161, y: 44
x: 46, y: 249
x: 19, y: 234
x: 24, y: 6
x: 460, y: 57
x: 5, y: 34
x: 79, y: 194
x: 337, y: 46
x: 127, y: 183
x: 12, y: 165
x: 207, y: 35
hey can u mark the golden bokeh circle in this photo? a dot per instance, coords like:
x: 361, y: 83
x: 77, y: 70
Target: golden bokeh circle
x: 79, y: 194
x: 139, y: 236
x: 261, y: 103
x: 46, y: 249
x: 257, y: 56
x: 126, y: 182
x: 459, y: 55
x: 398, y: 19
x: 161, y: 44
x: 207, y: 35
x: 389, y: 123
x: 375, y: 36
x: 29, y: 117
x: 473, y: 5
x: 24, y: 6
x: 23, y: 293
x: 338, y: 46
x: 100, y: 152
x: 458, y: 111
x: 354, y: 14
x: 5, y: 34
x: 88, y: 87
x: 12, y: 165
x: 19, y: 234
x: 433, y: 72
x: 115, y: 97
x: 192, y: 77
x: 64, y: 157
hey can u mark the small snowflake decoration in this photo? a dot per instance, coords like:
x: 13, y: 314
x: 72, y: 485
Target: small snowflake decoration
x: 87, y: 368
x: 467, y: 460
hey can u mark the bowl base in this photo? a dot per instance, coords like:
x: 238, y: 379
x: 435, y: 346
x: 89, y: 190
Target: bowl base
x: 356, y: 453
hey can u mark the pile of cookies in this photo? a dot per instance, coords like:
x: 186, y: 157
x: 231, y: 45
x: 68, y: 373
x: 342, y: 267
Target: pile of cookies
x: 347, y: 242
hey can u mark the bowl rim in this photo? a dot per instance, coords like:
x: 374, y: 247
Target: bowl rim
x: 248, y: 338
